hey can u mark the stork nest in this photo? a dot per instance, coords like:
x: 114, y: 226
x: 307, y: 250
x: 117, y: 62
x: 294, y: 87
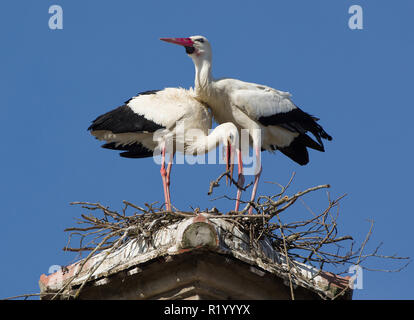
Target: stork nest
x: 315, y: 241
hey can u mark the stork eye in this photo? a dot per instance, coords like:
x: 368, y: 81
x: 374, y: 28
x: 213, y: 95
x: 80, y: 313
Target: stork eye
x: 199, y: 40
x: 189, y: 50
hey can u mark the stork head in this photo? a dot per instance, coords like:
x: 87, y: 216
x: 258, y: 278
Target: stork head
x: 197, y: 47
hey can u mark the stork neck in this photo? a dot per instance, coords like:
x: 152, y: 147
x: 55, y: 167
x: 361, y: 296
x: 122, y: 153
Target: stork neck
x: 207, y: 143
x: 203, y: 76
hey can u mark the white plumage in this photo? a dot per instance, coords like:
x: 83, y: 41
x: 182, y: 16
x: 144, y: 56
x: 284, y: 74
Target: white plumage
x: 273, y: 120
x: 170, y: 118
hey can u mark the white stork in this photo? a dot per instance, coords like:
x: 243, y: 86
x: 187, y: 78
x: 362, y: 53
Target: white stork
x: 151, y: 120
x: 281, y: 124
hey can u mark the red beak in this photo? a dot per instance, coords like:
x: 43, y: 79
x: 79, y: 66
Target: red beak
x: 185, y: 42
x: 229, y: 163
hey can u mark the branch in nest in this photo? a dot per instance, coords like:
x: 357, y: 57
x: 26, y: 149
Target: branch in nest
x: 215, y: 183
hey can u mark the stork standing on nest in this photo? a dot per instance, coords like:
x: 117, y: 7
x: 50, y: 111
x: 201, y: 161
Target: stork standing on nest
x: 154, y: 119
x: 273, y: 120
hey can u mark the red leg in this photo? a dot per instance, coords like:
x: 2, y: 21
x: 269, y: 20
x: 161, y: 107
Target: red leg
x: 256, y: 178
x: 229, y: 163
x: 170, y: 161
x: 164, y: 181
x: 240, y: 180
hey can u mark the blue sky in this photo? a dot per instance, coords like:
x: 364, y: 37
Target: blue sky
x: 54, y: 82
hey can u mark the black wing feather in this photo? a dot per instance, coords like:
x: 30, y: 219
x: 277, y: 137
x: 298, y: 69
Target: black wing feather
x: 134, y: 150
x: 299, y: 121
x: 123, y: 120
x: 296, y: 151
x: 142, y: 94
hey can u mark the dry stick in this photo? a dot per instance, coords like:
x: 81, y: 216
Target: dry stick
x: 84, y: 262
x: 115, y: 246
x: 283, y: 188
x: 359, y: 259
x: 321, y: 243
x: 133, y: 206
x: 96, y: 206
x: 396, y: 270
x: 233, y: 216
x: 86, y: 248
x: 215, y: 183
x: 292, y: 200
x: 33, y: 295
x: 287, y: 259
x: 325, y: 240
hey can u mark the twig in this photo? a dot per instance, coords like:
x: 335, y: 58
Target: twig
x: 215, y: 183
